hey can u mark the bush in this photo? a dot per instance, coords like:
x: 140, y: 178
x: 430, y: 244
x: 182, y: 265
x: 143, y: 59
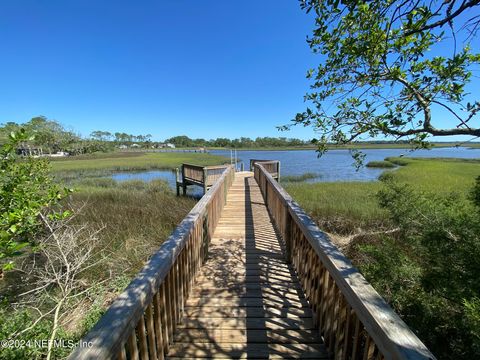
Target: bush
x: 11, y: 322
x: 26, y: 189
x: 430, y: 271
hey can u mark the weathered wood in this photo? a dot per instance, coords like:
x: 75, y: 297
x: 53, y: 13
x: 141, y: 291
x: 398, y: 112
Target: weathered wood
x: 151, y: 336
x: 272, y: 166
x: 247, y: 351
x: 390, y: 335
x: 268, y: 336
x: 246, y: 289
x: 121, y: 319
x: 251, y: 298
x: 203, y: 176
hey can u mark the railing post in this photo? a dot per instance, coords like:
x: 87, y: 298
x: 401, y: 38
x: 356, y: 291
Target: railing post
x: 177, y: 180
x: 205, y: 238
x: 184, y: 184
x: 288, y: 236
x: 278, y: 171
x: 205, y: 180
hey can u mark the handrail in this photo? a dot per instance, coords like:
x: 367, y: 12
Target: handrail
x: 143, y: 318
x: 354, y: 320
x: 272, y: 166
x: 214, y: 167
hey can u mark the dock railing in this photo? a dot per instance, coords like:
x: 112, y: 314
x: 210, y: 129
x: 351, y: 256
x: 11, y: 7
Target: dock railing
x: 353, y: 319
x: 141, y: 321
x: 203, y: 176
x: 272, y: 166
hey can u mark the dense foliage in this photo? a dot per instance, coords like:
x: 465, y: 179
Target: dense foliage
x: 49, y: 136
x: 26, y: 189
x: 430, y: 270
x: 380, y: 74
x: 243, y: 142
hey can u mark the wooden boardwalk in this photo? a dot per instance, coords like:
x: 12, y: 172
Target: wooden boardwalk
x: 244, y: 277
x: 247, y: 301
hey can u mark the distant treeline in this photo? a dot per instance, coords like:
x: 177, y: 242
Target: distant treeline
x: 243, y: 142
x: 50, y: 136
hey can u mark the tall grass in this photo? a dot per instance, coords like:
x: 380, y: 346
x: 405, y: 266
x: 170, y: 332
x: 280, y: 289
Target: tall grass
x: 380, y: 164
x: 340, y: 207
x: 345, y: 207
x: 299, y: 178
x: 137, y: 217
x: 139, y: 161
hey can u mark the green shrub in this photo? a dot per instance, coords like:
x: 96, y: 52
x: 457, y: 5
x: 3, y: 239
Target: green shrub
x: 430, y: 270
x: 26, y: 189
x: 14, y: 321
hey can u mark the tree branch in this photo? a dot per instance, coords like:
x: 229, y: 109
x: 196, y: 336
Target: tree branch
x: 446, y: 19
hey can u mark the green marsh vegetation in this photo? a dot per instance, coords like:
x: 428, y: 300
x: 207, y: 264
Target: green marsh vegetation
x: 380, y: 164
x: 112, y: 227
x: 415, y: 235
x: 132, y: 161
x: 299, y: 178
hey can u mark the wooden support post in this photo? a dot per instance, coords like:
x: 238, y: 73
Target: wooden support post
x: 205, y: 180
x: 177, y: 180
x: 278, y: 171
x: 242, y: 166
x: 184, y: 183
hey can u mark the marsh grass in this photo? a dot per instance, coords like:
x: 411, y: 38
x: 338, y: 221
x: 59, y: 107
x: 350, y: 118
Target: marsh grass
x: 137, y: 217
x: 349, y: 207
x: 380, y: 164
x: 299, y: 178
x: 340, y: 207
x: 132, y: 162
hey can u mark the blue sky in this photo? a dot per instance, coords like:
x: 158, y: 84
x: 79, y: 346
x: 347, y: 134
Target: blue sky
x: 200, y: 68
x: 166, y: 67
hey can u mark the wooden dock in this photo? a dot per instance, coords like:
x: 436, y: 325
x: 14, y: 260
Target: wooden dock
x: 248, y: 274
x: 203, y: 176
x: 247, y: 301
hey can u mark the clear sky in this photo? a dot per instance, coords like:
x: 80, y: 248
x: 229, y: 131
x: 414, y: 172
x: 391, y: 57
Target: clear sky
x: 166, y: 67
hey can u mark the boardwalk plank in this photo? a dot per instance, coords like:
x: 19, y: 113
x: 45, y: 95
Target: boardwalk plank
x: 247, y: 301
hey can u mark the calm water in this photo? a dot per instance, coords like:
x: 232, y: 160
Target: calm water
x: 335, y: 165
x: 167, y: 175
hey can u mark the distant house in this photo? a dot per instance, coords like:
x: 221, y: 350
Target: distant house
x: 59, y: 154
x: 29, y: 151
x: 135, y: 146
x: 169, y: 145
x: 123, y: 147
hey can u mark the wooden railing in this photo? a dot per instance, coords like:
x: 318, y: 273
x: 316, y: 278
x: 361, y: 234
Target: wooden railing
x: 193, y: 173
x: 353, y: 319
x: 142, y: 320
x: 272, y: 166
x: 204, y: 176
x: 214, y: 173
